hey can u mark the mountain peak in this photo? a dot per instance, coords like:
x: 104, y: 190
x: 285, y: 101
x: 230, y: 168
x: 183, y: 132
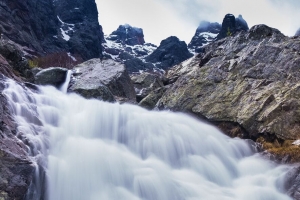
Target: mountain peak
x: 127, y: 34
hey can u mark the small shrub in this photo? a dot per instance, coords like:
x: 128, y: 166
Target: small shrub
x: 59, y: 59
x: 228, y: 32
x: 32, y: 63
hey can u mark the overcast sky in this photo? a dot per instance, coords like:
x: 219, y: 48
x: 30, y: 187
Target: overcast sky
x: 160, y: 19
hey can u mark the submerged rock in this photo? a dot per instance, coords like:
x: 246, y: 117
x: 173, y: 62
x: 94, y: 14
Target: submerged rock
x: 102, y: 80
x: 54, y: 76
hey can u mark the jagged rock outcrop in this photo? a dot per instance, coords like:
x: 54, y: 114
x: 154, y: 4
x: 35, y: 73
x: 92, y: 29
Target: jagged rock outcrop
x: 127, y: 45
x: 170, y: 52
x: 126, y: 34
x: 205, y: 33
x: 48, y: 26
x: 232, y: 25
x: 104, y: 80
x: 251, y: 79
x: 54, y: 76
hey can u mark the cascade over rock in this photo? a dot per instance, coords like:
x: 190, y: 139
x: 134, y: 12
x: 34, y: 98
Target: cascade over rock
x: 16, y: 166
x: 170, y: 52
x: 102, y: 80
x: 205, y: 33
x: 232, y: 25
x: 48, y: 26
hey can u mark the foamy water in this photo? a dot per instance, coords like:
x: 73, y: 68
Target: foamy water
x: 94, y: 150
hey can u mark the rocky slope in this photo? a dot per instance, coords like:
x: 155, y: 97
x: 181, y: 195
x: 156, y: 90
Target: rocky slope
x: 247, y: 84
x: 127, y: 45
x: 205, y: 33
x: 48, y: 26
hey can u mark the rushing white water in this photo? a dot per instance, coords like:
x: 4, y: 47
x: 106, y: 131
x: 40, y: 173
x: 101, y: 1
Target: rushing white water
x: 104, y: 151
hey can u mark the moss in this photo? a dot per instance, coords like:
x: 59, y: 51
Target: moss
x: 281, y: 150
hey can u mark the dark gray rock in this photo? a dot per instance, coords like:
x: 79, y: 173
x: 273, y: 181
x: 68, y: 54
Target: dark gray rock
x: 205, y: 33
x: 41, y: 25
x: 232, y: 25
x: 135, y: 65
x: 297, y: 32
x: 54, y: 76
x: 170, y: 52
x: 99, y: 80
x: 14, y: 55
x: 150, y: 101
x: 145, y: 83
x: 126, y: 34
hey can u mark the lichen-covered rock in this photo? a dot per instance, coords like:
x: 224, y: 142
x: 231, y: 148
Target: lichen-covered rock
x: 145, y: 83
x: 251, y: 79
x: 54, y: 76
x: 97, y: 79
x: 152, y: 98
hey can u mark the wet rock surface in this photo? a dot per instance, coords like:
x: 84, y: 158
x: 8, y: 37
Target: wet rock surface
x: 16, y: 168
x: 54, y: 76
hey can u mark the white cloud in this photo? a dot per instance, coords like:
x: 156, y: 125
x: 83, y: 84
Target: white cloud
x: 162, y: 18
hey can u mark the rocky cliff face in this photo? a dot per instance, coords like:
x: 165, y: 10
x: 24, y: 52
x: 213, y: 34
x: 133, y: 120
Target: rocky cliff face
x: 126, y: 34
x: 232, y: 25
x: 248, y: 84
x: 48, y: 26
x: 127, y: 45
x: 170, y: 52
x: 205, y: 33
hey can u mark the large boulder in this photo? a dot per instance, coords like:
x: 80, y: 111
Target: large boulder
x: 102, y: 80
x: 170, y: 52
x: 250, y: 80
x: 54, y: 76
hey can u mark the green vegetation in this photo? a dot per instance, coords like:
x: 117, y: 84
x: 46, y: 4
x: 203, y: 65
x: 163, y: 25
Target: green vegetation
x: 59, y: 59
x: 228, y: 32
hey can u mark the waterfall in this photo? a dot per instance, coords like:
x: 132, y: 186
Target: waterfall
x: 93, y: 150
